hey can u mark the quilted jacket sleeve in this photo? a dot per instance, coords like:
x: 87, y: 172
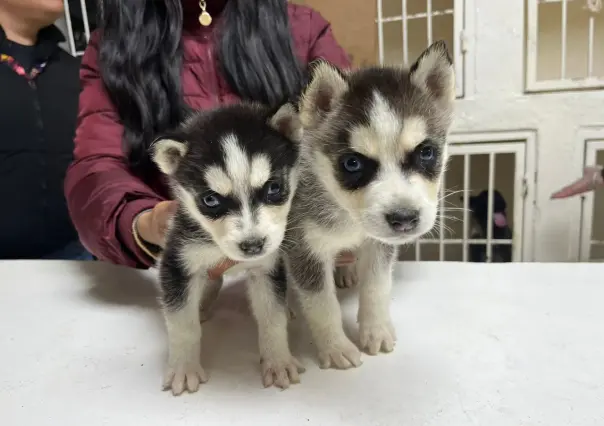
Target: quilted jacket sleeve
x: 103, y: 196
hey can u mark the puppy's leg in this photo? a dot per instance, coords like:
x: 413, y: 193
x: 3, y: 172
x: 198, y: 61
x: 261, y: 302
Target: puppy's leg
x: 267, y: 294
x: 181, y: 296
x: 289, y: 302
x: 346, y: 276
x: 314, y: 284
x: 209, y: 296
x: 375, y: 272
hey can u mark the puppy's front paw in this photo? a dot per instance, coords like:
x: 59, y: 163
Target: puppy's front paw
x: 346, y: 276
x: 341, y: 354
x: 184, y: 376
x: 376, y: 337
x: 280, y: 371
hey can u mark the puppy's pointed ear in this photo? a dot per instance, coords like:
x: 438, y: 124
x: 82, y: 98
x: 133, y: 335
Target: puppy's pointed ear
x: 434, y: 72
x: 167, y: 153
x: 287, y: 122
x: 327, y: 84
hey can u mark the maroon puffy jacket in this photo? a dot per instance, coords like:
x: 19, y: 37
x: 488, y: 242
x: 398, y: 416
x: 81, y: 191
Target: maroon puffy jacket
x: 102, y: 194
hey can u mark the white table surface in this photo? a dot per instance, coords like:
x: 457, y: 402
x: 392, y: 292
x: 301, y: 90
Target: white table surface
x: 510, y: 345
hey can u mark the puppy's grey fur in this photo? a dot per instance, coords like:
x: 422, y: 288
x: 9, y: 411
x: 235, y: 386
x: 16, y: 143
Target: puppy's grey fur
x: 375, y: 146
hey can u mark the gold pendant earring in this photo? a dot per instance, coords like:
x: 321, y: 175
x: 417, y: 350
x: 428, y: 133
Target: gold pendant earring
x: 204, y: 18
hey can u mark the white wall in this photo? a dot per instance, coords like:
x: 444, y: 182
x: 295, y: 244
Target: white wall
x: 495, y: 100
x: 498, y: 103
x: 577, y: 29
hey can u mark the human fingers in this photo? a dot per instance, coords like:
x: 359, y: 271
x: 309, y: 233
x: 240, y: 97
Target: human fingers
x: 345, y: 258
x: 578, y: 187
x: 163, y: 213
x: 217, y: 271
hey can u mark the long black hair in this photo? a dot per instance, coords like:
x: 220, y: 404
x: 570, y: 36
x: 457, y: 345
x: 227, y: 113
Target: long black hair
x: 140, y: 59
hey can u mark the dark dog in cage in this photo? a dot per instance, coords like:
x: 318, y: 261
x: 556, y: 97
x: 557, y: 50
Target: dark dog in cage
x: 501, y: 230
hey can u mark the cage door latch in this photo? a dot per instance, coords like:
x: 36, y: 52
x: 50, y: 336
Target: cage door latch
x: 463, y: 42
x: 524, y: 188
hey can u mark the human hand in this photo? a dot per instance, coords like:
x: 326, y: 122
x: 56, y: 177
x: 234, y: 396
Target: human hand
x: 591, y: 179
x: 345, y: 258
x: 151, y: 225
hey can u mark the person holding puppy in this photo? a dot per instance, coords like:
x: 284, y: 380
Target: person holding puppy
x: 145, y: 66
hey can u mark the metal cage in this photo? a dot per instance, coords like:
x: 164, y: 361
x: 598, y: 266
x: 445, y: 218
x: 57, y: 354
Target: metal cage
x: 407, y: 27
x: 565, y: 45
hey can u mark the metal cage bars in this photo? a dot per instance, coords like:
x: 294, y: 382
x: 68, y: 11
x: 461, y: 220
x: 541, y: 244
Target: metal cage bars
x: 533, y: 84
x: 477, y: 149
x: 522, y: 146
x: 594, y: 144
x: 70, y: 30
x: 457, y: 14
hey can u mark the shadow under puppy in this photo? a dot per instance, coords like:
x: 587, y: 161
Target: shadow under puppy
x: 375, y: 147
x: 234, y: 171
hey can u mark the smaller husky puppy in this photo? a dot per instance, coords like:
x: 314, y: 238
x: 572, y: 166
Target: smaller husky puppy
x: 375, y: 146
x: 234, y: 171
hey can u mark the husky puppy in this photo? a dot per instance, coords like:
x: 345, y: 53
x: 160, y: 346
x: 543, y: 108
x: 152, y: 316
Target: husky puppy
x: 234, y: 171
x: 375, y: 146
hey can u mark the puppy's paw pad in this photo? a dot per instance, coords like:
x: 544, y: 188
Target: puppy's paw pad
x: 281, y: 372
x: 377, y: 337
x: 184, y: 377
x: 346, y: 276
x: 342, y: 355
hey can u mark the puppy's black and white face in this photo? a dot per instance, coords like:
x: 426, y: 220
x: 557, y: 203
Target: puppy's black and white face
x: 234, y: 170
x: 378, y: 139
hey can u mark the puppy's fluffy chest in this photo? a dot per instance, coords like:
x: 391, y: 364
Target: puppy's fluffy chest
x: 195, y: 255
x: 330, y: 241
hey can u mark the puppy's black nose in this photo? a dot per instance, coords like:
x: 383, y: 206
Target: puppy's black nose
x: 404, y: 220
x: 252, y: 246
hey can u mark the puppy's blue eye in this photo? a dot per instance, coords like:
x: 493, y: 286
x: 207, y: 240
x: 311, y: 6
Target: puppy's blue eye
x: 273, y: 192
x: 426, y: 153
x: 352, y: 164
x: 273, y: 188
x: 211, y: 201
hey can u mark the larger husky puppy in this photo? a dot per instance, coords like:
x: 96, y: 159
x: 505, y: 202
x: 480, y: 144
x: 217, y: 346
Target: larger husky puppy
x: 234, y: 171
x: 376, y: 147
